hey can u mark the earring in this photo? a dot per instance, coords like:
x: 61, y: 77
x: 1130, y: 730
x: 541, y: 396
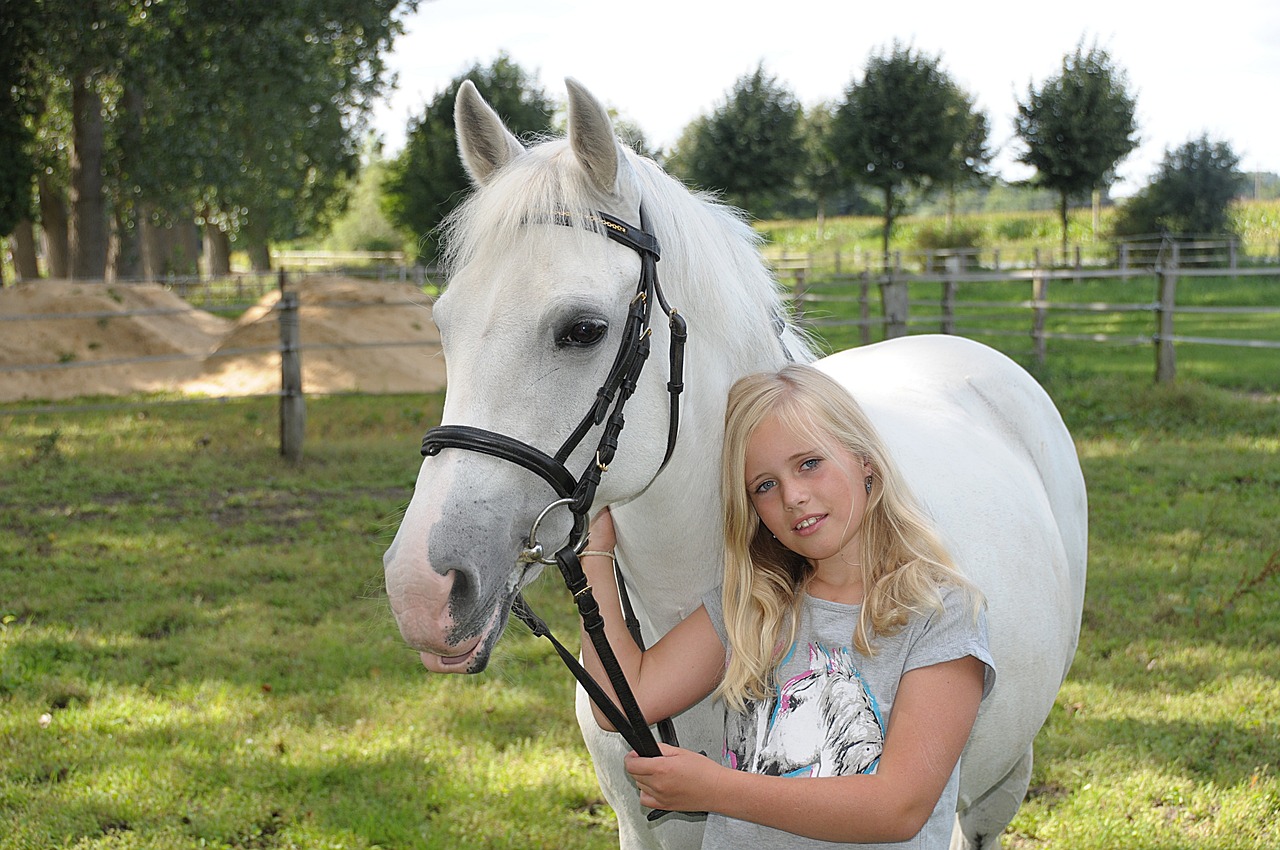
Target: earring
x: 868, y: 485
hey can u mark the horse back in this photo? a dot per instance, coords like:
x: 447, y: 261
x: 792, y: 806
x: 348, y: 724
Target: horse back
x: 985, y: 451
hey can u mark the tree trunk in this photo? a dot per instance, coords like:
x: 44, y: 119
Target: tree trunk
x: 184, y: 257
x: 88, y: 234
x: 255, y: 235
x: 217, y: 251
x: 23, y: 244
x: 153, y: 243
x: 125, y: 254
x: 1062, y: 216
x: 888, y: 226
x: 53, y: 219
x: 125, y: 251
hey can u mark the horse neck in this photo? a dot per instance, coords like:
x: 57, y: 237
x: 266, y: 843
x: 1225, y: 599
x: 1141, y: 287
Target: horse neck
x: 670, y: 538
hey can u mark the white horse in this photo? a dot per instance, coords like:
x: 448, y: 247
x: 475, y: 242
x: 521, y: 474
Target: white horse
x: 530, y: 324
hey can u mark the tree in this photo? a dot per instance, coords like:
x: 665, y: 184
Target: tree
x: 17, y: 164
x: 248, y: 113
x: 907, y: 125
x: 1191, y: 193
x: 426, y: 181
x: 750, y: 147
x: 820, y: 178
x: 1077, y: 127
x: 363, y: 226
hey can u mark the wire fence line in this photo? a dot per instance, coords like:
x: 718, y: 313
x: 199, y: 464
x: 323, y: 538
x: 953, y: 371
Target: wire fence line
x: 874, y: 304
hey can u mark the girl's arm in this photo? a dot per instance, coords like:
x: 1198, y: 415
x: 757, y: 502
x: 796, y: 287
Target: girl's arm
x: 928, y: 727
x: 680, y: 669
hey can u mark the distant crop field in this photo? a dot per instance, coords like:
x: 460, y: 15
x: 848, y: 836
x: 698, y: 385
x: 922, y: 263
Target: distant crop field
x: 1017, y: 233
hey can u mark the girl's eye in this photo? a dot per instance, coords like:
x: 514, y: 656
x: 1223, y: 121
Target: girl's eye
x: 763, y: 487
x: 811, y: 463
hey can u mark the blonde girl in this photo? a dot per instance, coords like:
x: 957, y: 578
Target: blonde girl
x: 848, y: 650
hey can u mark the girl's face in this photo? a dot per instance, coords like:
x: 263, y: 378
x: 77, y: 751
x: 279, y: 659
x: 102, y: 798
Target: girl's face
x: 810, y: 497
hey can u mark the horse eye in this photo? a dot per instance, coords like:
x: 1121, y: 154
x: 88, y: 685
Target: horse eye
x: 582, y: 333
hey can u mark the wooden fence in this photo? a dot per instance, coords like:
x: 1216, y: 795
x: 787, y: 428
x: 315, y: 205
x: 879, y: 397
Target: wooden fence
x: 878, y: 305
x: 825, y: 300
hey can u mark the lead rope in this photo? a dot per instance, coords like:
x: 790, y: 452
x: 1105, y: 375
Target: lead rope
x: 629, y: 719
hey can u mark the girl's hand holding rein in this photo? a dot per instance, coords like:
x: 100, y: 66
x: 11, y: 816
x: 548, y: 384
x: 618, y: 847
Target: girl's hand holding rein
x: 680, y: 780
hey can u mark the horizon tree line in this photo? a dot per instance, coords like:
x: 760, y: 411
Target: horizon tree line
x: 180, y: 129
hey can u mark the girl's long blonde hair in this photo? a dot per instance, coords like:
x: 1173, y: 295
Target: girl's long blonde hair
x: 903, y: 559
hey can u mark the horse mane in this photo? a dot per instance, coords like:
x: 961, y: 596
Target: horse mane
x: 710, y: 256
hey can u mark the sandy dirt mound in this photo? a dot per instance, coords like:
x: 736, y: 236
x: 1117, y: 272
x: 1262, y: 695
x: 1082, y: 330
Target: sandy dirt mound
x: 52, y: 332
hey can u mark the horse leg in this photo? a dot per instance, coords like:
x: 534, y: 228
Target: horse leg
x: 980, y: 825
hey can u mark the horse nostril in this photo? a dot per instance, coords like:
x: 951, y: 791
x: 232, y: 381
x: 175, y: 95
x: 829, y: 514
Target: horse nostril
x: 462, y: 596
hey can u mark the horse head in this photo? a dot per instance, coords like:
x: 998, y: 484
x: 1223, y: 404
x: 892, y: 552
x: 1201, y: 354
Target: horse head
x: 530, y: 324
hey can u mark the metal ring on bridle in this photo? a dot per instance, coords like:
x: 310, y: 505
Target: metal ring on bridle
x: 534, y: 553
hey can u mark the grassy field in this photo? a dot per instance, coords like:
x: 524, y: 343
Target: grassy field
x: 1018, y: 234
x: 195, y: 650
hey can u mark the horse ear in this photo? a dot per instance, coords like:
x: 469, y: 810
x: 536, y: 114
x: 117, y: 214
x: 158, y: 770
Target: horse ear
x: 484, y: 142
x: 592, y: 139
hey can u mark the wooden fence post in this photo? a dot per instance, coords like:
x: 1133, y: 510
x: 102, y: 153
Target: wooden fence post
x: 1167, y: 280
x: 1039, y: 311
x: 894, y: 299
x: 864, y: 304
x: 799, y: 289
x: 293, y: 408
x: 949, y: 295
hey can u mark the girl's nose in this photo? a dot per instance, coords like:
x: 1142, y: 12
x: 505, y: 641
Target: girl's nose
x: 794, y: 496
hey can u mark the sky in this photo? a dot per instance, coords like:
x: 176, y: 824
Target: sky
x: 1195, y: 68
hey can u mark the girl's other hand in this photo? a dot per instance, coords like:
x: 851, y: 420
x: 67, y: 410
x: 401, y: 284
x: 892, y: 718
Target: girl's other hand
x: 677, y: 781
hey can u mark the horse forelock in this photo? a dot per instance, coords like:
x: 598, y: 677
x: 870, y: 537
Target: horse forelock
x: 710, y: 256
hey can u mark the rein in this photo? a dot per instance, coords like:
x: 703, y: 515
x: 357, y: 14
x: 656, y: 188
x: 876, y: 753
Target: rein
x: 578, y: 494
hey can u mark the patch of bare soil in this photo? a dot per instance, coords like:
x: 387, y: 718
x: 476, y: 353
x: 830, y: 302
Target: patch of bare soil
x: 65, y: 339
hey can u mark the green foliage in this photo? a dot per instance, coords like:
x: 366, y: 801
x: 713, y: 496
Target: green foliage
x: 1077, y: 126
x: 363, y: 226
x: 250, y: 114
x: 18, y: 38
x: 749, y: 148
x: 427, y: 180
x: 907, y: 125
x: 1190, y: 194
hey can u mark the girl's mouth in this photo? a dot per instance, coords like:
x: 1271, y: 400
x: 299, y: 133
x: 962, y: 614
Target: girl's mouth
x: 807, y: 523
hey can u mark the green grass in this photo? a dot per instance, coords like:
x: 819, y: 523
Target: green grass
x: 195, y: 650
x: 1167, y: 732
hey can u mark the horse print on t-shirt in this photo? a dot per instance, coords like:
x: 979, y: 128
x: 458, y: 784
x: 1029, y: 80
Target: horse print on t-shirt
x: 822, y: 722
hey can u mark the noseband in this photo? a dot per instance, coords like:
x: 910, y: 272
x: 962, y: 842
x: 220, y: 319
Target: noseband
x: 578, y: 494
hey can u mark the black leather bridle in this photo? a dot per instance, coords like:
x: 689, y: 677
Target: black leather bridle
x: 577, y: 494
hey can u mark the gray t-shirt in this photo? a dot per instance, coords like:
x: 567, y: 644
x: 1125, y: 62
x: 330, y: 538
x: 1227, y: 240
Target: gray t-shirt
x: 832, y: 706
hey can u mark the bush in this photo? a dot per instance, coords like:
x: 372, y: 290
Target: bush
x: 932, y: 237
x: 1190, y: 194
